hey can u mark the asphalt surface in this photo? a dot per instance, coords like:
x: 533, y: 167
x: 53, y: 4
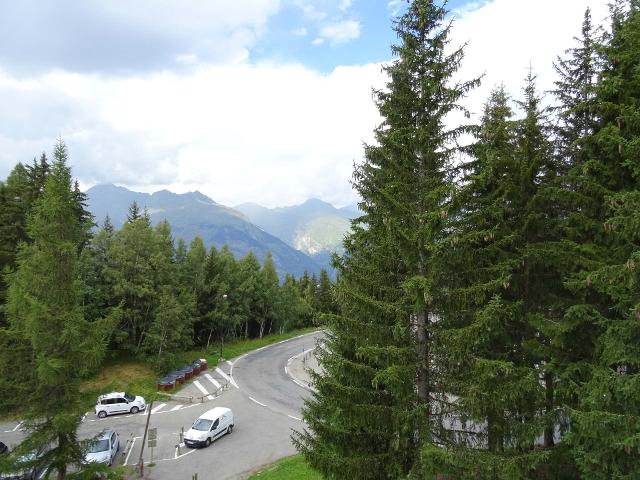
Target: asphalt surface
x: 266, y: 391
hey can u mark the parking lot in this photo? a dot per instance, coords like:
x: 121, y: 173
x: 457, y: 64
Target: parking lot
x: 266, y: 406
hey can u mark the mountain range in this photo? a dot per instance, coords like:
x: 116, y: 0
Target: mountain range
x: 301, y: 238
x: 315, y: 227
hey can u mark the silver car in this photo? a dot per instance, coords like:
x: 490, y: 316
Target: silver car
x: 103, y: 449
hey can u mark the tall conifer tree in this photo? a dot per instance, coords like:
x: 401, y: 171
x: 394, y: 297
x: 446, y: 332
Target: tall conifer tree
x: 375, y: 405
x: 606, y: 422
x: 44, y: 309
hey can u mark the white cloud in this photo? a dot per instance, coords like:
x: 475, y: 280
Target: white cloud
x: 340, y: 32
x: 505, y: 37
x: 121, y: 36
x: 273, y: 134
x: 317, y: 41
x: 394, y: 6
x: 300, y: 32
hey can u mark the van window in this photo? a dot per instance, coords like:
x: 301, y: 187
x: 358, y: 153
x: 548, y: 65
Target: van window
x: 215, y: 424
x: 202, y: 425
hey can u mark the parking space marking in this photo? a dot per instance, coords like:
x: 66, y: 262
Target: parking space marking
x: 130, y: 450
x: 230, y: 362
x: 227, y: 377
x: 200, y: 387
x: 158, y: 407
x: 177, y: 407
x: 256, y: 401
x: 17, y: 427
x: 295, y: 418
x: 212, y: 380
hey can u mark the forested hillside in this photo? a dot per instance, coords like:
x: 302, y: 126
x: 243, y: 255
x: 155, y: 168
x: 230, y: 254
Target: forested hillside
x: 194, y: 215
x: 489, y: 294
x: 168, y: 296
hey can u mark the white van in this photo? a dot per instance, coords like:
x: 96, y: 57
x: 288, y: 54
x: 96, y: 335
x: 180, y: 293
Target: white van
x: 209, y: 426
x: 119, y: 402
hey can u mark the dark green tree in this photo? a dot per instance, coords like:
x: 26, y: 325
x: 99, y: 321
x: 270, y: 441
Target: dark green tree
x: 44, y: 310
x: 375, y: 406
x: 605, y: 423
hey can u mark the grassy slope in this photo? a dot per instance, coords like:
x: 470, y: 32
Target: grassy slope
x: 138, y: 378
x: 290, y: 468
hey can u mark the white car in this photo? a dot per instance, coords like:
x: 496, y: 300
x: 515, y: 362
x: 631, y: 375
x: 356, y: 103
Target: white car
x: 209, y: 426
x: 119, y: 402
x: 103, y: 449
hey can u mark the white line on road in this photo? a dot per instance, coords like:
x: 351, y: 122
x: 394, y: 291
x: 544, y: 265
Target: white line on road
x: 286, y: 370
x: 212, y: 380
x: 17, y: 427
x: 158, y: 407
x: 200, y: 387
x: 130, y: 450
x: 230, y: 362
x: 295, y: 418
x: 177, y: 407
x: 256, y: 401
x: 227, y: 377
x: 183, y: 455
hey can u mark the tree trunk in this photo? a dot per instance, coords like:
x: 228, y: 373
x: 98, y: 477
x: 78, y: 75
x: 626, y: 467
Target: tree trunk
x: 549, y: 429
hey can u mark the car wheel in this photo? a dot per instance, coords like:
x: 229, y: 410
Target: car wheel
x: 134, y: 410
x: 230, y: 429
x: 102, y: 414
x: 208, y: 442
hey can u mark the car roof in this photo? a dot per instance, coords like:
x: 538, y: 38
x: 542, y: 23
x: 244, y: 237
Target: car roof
x: 215, y: 413
x: 106, y: 434
x: 112, y: 394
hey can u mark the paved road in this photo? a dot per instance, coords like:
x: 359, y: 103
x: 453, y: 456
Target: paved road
x: 265, y: 400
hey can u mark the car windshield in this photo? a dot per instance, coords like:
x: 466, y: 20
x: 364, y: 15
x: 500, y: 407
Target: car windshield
x: 202, y: 425
x: 129, y: 398
x: 99, y: 446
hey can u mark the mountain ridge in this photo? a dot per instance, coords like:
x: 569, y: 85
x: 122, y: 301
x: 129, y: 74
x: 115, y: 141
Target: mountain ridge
x: 195, y: 214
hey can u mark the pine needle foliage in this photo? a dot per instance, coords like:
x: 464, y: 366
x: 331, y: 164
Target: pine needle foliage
x: 376, y: 405
x: 45, y: 317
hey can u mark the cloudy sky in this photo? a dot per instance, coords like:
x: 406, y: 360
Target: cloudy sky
x: 265, y: 101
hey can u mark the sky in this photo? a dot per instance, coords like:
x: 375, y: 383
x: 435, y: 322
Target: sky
x: 265, y: 101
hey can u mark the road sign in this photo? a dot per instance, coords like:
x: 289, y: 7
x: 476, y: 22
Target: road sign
x: 152, y: 443
x: 153, y: 434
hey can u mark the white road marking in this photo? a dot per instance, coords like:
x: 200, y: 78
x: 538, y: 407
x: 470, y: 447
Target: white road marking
x: 158, y: 407
x: 229, y: 362
x: 177, y: 407
x: 295, y: 418
x: 212, y: 380
x: 17, y: 427
x: 183, y: 455
x: 286, y: 370
x: 227, y: 377
x: 130, y: 450
x: 202, y: 389
x: 256, y: 401
x: 83, y: 417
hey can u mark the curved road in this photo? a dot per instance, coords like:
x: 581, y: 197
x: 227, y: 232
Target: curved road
x: 266, y: 405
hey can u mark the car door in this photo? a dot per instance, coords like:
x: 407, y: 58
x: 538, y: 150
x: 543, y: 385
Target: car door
x: 122, y: 404
x: 215, y: 429
x: 224, y: 422
x: 110, y: 405
x: 115, y: 441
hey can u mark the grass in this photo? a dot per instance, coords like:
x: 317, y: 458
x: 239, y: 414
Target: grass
x: 139, y: 378
x: 290, y: 468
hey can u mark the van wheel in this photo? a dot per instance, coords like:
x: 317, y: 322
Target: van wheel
x: 134, y: 410
x: 208, y: 442
x: 230, y: 429
x: 102, y: 414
